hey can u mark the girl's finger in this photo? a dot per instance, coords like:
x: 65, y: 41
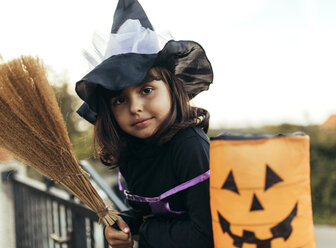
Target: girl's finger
x: 122, y: 225
x: 114, y: 234
x: 117, y: 246
x: 121, y: 246
x: 118, y: 242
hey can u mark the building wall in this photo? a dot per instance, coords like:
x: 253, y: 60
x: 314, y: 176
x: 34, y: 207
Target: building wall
x: 7, y: 221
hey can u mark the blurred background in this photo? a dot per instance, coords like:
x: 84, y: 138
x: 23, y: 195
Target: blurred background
x: 274, y: 66
x: 273, y: 61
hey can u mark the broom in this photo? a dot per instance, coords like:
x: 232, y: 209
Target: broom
x: 32, y: 129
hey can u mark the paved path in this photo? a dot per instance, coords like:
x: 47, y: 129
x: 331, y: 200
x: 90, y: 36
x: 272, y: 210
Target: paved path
x: 325, y: 236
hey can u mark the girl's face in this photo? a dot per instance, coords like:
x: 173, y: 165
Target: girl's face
x: 139, y: 110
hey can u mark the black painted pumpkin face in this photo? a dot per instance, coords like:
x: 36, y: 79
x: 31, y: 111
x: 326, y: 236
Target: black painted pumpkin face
x: 260, y: 192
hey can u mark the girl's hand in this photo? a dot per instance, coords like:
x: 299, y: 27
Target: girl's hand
x: 117, y: 238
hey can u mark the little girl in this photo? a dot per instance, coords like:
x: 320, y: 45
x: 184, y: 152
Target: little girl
x: 138, y: 100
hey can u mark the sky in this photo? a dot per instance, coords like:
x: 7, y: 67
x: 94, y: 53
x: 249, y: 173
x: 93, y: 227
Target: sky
x: 274, y: 61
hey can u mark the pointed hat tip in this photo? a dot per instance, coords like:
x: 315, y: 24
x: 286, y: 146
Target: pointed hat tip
x: 129, y: 9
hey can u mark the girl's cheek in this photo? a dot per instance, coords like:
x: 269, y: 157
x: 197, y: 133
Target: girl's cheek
x: 151, y: 95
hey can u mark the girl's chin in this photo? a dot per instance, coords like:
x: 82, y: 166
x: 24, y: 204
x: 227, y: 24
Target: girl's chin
x: 143, y: 134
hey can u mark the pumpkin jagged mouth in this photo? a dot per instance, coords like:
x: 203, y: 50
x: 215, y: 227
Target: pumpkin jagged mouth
x: 281, y: 230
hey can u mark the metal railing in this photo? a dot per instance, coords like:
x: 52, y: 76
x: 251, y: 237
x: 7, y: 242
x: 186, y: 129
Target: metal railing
x: 47, y: 219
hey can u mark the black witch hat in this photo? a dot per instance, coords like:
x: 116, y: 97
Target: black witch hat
x: 132, y: 50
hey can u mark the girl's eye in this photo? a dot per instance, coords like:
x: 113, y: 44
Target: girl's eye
x: 147, y: 90
x: 118, y: 101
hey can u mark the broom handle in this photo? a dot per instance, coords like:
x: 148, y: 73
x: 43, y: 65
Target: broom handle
x: 100, y: 181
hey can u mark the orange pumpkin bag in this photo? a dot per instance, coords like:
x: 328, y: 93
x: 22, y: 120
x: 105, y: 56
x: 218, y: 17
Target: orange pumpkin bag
x: 260, y: 191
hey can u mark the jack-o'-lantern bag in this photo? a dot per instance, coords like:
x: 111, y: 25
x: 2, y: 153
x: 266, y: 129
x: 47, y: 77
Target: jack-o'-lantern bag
x: 260, y: 191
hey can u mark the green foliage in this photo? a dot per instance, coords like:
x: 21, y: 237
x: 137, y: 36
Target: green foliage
x: 322, y: 163
x: 80, y: 132
x: 323, y: 175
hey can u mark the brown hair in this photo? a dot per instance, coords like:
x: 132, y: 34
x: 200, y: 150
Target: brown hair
x: 110, y: 139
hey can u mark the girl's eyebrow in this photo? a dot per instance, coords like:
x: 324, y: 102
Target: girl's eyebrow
x: 144, y: 83
x: 150, y: 78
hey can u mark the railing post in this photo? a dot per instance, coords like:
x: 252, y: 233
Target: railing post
x: 78, y: 235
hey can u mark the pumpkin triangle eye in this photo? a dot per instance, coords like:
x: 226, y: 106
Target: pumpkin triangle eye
x: 256, y: 204
x: 271, y: 178
x: 230, y: 183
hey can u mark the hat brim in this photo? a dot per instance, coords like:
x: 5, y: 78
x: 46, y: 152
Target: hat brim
x: 185, y: 59
x: 188, y: 61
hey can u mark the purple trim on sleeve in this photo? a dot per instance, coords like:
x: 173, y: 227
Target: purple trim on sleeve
x: 172, y: 211
x: 161, y: 207
x: 119, y: 182
x: 170, y: 192
x: 157, y: 205
x: 186, y: 184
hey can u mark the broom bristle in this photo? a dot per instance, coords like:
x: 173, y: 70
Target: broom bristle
x: 32, y: 129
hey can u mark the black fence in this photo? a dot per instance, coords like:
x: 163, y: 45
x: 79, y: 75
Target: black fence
x: 44, y: 219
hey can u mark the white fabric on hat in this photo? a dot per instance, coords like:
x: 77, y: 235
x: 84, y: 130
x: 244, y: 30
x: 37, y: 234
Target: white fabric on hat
x: 130, y: 38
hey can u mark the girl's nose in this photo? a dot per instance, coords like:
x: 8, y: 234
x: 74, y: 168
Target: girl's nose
x: 136, y: 106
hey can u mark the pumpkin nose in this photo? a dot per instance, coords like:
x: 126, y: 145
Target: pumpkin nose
x: 256, y: 205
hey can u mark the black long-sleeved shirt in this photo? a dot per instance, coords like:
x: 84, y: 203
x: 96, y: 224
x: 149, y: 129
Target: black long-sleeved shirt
x: 151, y: 171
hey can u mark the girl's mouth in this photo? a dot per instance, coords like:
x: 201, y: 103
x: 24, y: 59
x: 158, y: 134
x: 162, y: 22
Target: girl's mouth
x: 141, y: 122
